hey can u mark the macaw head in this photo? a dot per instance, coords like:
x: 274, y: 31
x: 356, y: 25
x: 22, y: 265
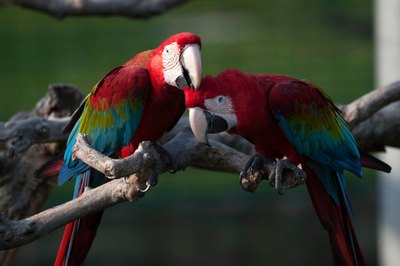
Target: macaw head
x: 179, y: 60
x: 220, y: 104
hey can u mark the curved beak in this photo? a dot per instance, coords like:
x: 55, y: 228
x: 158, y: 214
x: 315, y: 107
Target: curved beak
x: 203, y: 122
x: 191, y: 65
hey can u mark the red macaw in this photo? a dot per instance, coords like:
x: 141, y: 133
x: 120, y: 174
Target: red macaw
x: 134, y: 102
x: 284, y: 116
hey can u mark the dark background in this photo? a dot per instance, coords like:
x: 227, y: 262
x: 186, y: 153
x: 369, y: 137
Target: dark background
x: 199, y: 217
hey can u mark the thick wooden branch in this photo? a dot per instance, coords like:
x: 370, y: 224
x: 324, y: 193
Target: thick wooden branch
x: 17, y: 233
x: 22, y: 193
x: 18, y: 136
x: 373, y: 126
x: 127, y: 8
x: 380, y: 130
x: 184, y: 148
x: 365, y: 106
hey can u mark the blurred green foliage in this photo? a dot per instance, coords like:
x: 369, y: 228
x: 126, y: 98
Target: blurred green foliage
x: 199, y: 217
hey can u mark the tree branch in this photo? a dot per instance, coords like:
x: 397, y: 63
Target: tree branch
x: 22, y: 193
x: 365, y: 106
x: 18, y: 136
x: 127, y: 8
x: 380, y: 130
x: 183, y: 147
x: 373, y: 126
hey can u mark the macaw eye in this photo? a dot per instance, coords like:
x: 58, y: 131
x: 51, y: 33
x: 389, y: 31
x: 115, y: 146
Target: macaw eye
x: 220, y: 99
x: 167, y: 51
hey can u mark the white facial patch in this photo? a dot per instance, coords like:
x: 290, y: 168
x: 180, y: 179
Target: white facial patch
x: 222, y: 105
x: 171, y: 64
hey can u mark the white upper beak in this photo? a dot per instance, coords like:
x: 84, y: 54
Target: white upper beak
x: 191, y: 61
x: 198, y: 123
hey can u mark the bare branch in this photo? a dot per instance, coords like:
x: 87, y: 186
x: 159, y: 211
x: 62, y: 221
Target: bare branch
x: 18, y: 136
x: 127, y: 8
x: 115, y: 168
x: 365, y: 106
x: 380, y: 130
x: 17, y: 233
x: 184, y: 147
x: 373, y: 126
x: 22, y: 193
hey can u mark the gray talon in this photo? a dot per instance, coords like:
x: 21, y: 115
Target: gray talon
x: 297, y: 176
x: 153, y: 178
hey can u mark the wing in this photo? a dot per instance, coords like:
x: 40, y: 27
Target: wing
x: 313, y: 124
x: 110, y: 116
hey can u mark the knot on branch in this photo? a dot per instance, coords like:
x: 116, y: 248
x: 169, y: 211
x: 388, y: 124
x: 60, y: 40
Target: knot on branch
x: 12, y: 231
x: 19, y: 135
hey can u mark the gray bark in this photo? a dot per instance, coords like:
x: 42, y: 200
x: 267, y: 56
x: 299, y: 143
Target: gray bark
x: 21, y: 153
x: 187, y: 151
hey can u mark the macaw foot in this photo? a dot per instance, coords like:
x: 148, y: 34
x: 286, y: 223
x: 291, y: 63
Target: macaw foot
x: 169, y: 161
x: 152, y: 180
x: 167, y: 157
x: 286, y: 175
x: 281, y: 174
x: 253, y: 172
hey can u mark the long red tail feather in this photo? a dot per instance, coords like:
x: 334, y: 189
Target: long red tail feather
x: 369, y: 161
x: 336, y: 220
x: 63, y: 250
x: 78, y: 236
x: 78, y: 239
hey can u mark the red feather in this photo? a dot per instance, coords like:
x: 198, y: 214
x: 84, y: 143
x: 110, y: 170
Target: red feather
x: 51, y: 168
x: 70, y: 228
x: 81, y: 239
x: 336, y: 220
x: 369, y: 161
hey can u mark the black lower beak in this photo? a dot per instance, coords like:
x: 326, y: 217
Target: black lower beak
x: 215, y: 123
x: 187, y: 78
x: 184, y: 81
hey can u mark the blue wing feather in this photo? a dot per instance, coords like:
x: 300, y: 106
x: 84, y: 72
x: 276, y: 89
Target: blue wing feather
x: 110, y: 124
x: 314, y: 126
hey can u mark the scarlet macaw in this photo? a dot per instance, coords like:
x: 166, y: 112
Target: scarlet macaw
x: 137, y: 101
x: 283, y: 116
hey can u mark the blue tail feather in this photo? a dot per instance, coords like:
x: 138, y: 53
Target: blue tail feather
x: 66, y: 173
x: 345, y: 199
x: 327, y: 177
